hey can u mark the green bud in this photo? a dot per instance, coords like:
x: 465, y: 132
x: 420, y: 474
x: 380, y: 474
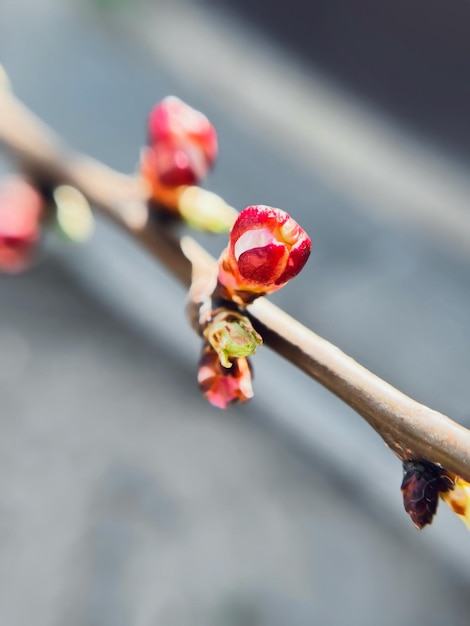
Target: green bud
x: 232, y: 336
x: 73, y: 214
x: 204, y: 210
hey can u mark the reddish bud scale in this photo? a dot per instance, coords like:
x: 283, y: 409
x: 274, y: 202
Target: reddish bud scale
x: 266, y: 249
x: 21, y: 206
x: 422, y: 484
x: 178, y: 164
x: 163, y: 195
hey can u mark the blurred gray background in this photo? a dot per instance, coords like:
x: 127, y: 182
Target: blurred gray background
x: 125, y: 499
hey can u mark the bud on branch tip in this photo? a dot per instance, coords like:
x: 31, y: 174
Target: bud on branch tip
x: 175, y: 121
x: 183, y: 143
x: 181, y: 149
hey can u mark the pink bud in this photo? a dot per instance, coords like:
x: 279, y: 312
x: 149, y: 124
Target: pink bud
x: 221, y: 385
x: 174, y: 120
x: 21, y: 206
x: 184, y: 140
x: 266, y: 249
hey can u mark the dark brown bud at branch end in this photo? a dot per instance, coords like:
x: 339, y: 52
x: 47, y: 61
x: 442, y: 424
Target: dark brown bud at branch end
x: 422, y: 484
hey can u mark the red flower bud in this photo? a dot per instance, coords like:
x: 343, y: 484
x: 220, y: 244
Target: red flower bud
x: 422, y: 484
x: 184, y: 141
x: 21, y: 206
x: 266, y: 249
x: 222, y: 385
x: 175, y: 121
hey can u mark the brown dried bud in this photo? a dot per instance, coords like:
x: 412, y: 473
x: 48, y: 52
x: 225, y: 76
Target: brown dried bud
x: 422, y: 484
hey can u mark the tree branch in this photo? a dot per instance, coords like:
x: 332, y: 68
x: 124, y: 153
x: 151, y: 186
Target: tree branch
x: 410, y: 429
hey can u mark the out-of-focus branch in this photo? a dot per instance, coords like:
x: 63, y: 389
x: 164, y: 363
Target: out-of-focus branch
x: 410, y: 429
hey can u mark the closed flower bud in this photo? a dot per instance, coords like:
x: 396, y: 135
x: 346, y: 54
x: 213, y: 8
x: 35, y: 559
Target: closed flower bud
x: 221, y: 385
x: 183, y: 142
x: 422, y: 484
x: 174, y: 121
x: 266, y: 249
x: 21, y: 206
